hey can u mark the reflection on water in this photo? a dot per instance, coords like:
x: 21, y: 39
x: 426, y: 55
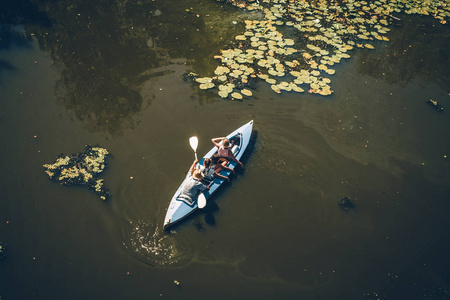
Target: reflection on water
x: 103, y: 50
x: 11, y: 36
x: 278, y: 218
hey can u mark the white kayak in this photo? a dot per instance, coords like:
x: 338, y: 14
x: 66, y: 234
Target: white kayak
x: 178, y: 209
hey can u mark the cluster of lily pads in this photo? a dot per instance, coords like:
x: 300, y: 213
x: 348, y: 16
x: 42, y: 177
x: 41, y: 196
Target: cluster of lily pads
x: 81, y: 169
x: 320, y: 34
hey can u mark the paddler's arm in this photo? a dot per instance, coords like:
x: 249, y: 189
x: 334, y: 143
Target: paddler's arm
x: 193, y: 166
x: 221, y: 176
x: 231, y: 155
x: 216, y: 141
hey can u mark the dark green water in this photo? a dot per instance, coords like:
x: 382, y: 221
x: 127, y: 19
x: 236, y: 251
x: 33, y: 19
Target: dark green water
x: 111, y: 73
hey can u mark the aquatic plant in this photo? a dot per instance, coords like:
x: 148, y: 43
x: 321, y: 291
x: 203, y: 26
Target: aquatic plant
x: 318, y: 35
x: 436, y: 105
x: 81, y: 169
x: 346, y: 203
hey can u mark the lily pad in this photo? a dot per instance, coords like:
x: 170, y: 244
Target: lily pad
x: 223, y: 93
x: 247, y: 92
x: 236, y: 95
x: 203, y: 79
x: 222, y: 78
x: 205, y: 86
x: 275, y: 88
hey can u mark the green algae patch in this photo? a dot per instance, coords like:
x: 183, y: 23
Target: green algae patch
x: 81, y: 168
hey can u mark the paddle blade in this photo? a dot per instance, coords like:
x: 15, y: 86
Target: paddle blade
x: 193, y: 141
x: 201, y: 201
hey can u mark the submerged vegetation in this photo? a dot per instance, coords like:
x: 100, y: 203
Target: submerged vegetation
x: 81, y: 169
x: 317, y: 36
x: 346, y: 203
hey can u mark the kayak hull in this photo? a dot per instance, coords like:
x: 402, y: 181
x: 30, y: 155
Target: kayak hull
x: 179, y: 210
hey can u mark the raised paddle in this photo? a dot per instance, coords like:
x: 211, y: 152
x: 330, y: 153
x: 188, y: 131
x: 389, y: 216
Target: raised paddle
x: 193, y: 141
x: 201, y: 200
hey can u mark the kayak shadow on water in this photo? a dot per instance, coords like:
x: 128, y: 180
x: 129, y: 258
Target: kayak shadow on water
x: 210, y: 209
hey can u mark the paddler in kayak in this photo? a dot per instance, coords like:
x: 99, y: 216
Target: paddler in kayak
x: 192, y: 185
x: 224, y: 149
x: 211, y: 168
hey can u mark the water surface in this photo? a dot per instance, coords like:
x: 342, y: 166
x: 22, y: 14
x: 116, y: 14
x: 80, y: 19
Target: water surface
x: 113, y: 74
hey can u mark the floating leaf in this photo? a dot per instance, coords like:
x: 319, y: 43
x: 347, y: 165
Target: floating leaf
x: 275, y: 88
x: 290, y: 51
x: 203, y: 79
x: 314, y: 86
x: 222, y: 78
x: 306, y: 55
x: 205, y: 86
x: 325, y: 91
x: 247, y: 92
x: 273, y: 72
x: 223, y: 94
x: 236, y: 95
x: 255, y: 44
x: 289, y: 42
x: 221, y: 70
x: 297, y: 89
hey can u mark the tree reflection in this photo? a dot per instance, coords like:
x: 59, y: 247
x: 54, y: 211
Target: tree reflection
x: 104, y: 49
x: 12, y: 14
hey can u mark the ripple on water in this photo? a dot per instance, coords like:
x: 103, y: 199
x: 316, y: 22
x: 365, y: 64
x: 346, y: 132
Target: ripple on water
x: 152, y: 245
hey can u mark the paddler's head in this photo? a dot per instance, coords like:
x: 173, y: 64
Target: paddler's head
x: 197, y: 174
x: 225, y: 143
